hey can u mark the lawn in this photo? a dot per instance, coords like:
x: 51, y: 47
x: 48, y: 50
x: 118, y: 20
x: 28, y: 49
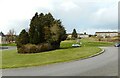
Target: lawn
x: 10, y: 44
x: 11, y: 59
x: 88, y: 42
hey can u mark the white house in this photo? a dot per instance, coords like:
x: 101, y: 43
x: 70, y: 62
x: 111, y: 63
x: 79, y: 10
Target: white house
x: 2, y: 38
x: 69, y: 35
x: 78, y: 35
x: 83, y: 35
x: 105, y: 34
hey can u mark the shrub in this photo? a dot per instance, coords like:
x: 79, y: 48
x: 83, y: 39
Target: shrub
x: 28, y: 48
x: 73, y: 38
x: 32, y: 48
x: 45, y: 47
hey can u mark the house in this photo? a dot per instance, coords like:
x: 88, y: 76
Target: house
x: 69, y: 35
x: 83, y: 35
x: 2, y: 38
x: 106, y: 34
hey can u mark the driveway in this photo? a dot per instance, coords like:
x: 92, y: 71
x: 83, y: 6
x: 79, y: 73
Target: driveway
x: 105, y: 64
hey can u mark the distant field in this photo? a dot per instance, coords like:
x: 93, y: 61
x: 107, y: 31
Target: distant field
x: 11, y: 59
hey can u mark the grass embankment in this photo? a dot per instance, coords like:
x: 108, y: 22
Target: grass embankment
x: 10, y: 44
x: 11, y: 59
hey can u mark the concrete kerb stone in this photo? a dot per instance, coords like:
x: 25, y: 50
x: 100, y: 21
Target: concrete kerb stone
x: 103, y: 50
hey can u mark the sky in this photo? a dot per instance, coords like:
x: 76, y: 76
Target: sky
x: 84, y: 15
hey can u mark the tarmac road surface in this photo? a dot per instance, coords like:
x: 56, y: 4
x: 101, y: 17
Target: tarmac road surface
x: 105, y: 64
x: 2, y: 48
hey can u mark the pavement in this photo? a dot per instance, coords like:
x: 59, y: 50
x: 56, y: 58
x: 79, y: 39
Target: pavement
x: 105, y: 64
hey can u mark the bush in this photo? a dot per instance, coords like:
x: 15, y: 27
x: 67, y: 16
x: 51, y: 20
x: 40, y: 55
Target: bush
x: 32, y: 48
x: 28, y: 48
x: 45, y: 47
x: 73, y: 38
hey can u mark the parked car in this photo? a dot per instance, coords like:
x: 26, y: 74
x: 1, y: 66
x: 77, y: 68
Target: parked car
x: 117, y: 44
x: 75, y: 45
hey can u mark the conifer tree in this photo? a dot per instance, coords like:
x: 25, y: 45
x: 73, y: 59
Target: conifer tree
x: 33, y: 26
x: 74, y: 34
x: 43, y: 29
x: 23, y: 38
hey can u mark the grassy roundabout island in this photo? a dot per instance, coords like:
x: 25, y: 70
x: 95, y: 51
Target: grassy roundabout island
x: 11, y: 59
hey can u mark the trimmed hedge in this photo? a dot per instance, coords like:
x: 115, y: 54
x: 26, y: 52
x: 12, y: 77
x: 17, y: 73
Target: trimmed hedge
x: 32, y: 48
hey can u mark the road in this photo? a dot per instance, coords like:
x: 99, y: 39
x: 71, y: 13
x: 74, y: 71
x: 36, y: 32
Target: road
x: 105, y: 64
x: 2, y: 48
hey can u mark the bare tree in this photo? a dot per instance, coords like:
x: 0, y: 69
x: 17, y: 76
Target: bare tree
x: 11, y: 35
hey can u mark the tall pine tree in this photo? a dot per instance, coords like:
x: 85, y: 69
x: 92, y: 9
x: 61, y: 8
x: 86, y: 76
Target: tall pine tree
x: 74, y: 34
x: 33, y: 29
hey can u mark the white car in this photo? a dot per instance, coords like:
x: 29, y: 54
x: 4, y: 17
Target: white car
x: 75, y: 45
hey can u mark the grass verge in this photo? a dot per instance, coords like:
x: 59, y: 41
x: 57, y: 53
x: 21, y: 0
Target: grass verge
x: 11, y: 59
x: 10, y: 44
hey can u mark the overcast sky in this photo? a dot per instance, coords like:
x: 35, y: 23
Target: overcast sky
x: 83, y: 15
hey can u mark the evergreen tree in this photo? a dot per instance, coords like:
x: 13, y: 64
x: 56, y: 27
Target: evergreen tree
x: 63, y: 35
x: 47, y: 34
x: 33, y: 26
x: 58, y: 33
x: 36, y: 38
x: 48, y: 19
x: 23, y: 38
x: 43, y: 29
x: 40, y: 28
x: 85, y: 33
x: 74, y: 34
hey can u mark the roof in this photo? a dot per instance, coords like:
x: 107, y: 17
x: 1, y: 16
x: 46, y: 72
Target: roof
x: 106, y: 32
x: 77, y: 34
x: 1, y: 34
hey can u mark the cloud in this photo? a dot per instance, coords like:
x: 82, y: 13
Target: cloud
x: 68, y: 5
x: 15, y: 12
x: 80, y: 14
x: 106, y: 17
